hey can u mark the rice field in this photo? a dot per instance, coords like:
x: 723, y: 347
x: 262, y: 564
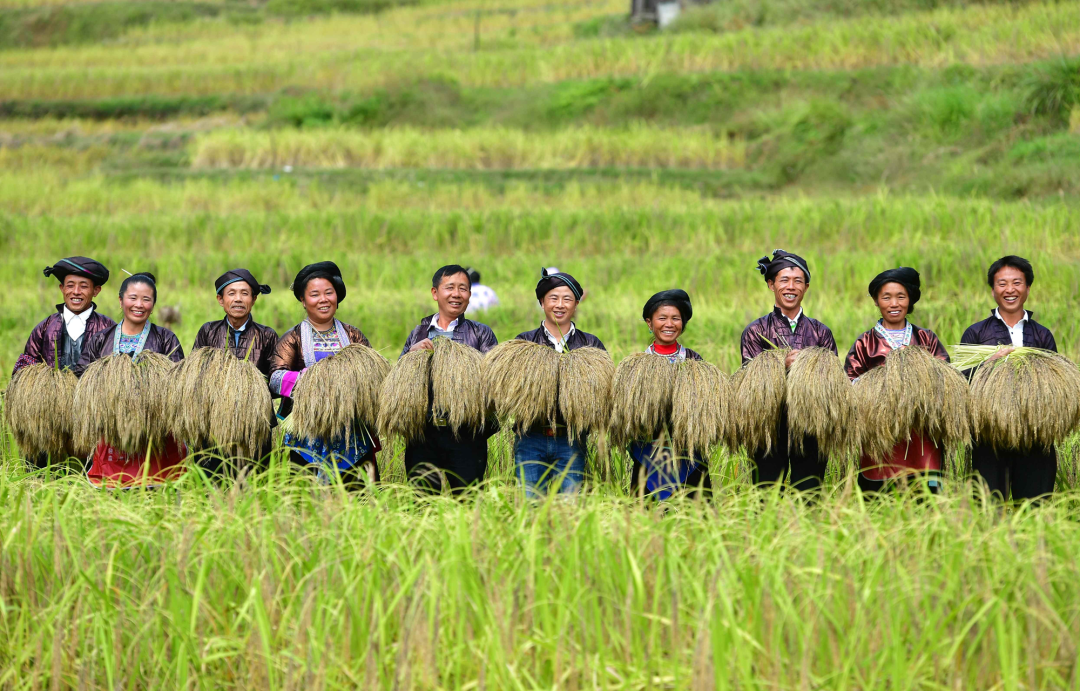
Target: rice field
x: 858, y: 142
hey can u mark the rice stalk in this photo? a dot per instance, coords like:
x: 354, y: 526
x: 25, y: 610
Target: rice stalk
x: 123, y: 401
x: 760, y: 393
x: 585, y: 379
x: 457, y: 385
x: 522, y: 383
x: 820, y: 403
x: 38, y: 409
x: 194, y: 381
x: 155, y: 381
x: 339, y: 394
x: 1028, y: 398
x: 701, y: 403
x: 913, y: 391
x: 641, y: 397
x: 241, y: 411
x: 403, y: 399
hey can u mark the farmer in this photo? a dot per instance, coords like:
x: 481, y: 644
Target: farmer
x: 895, y: 293
x: 462, y: 460
x: 544, y: 454
x: 657, y: 472
x: 59, y: 339
x: 237, y: 291
x: 134, y: 334
x: 320, y: 289
x: 788, y: 277
x: 483, y: 297
x: 1023, y: 473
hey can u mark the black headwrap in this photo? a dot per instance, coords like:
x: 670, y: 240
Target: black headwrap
x: 327, y: 270
x: 236, y: 275
x: 905, y: 276
x: 782, y: 260
x: 549, y: 282
x: 676, y: 298
x: 79, y: 266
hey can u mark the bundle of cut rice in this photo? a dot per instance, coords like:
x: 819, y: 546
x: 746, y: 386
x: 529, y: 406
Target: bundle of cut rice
x: 338, y: 394
x: 123, y: 401
x: 522, y: 382
x: 1025, y: 399
x: 241, y: 411
x: 701, y: 399
x: 585, y: 378
x: 760, y: 391
x: 912, y: 392
x: 457, y: 385
x: 38, y: 409
x: 194, y: 381
x: 641, y: 397
x: 403, y: 400
x: 820, y: 403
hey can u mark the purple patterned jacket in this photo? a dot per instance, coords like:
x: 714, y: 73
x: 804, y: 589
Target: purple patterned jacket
x: 809, y: 333
x: 41, y: 346
x: 992, y: 331
x: 468, y: 332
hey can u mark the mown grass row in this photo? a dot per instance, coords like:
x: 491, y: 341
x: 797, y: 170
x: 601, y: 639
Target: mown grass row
x: 622, y: 255
x: 977, y: 35
x: 280, y: 585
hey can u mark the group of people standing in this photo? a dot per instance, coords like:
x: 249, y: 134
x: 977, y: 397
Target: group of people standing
x: 78, y: 334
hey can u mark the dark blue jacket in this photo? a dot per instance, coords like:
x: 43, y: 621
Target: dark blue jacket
x: 472, y: 334
x: 578, y: 339
x: 992, y: 331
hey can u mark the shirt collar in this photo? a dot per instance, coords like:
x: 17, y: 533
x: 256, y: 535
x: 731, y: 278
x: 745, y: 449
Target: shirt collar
x: 82, y: 316
x: 780, y: 313
x: 556, y: 339
x: 1022, y: 319
x: 242, y: 328
x: 435, y: 323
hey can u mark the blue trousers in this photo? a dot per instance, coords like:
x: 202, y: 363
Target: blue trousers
x: 541, y: 460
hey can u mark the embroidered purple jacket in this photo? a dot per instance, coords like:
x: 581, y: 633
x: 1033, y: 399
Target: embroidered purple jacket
x: 159, y: 340
x: 578, y: 339
x: 468, y: 332
x: 49, y: 333
x: 774, y: 326
x: 992, y: 331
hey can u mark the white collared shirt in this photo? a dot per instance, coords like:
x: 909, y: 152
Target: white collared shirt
x: 792, y: 322
x: 434, y: 326
x: 1016, y: 333
x: 76, y: 323
x: 559, y: 343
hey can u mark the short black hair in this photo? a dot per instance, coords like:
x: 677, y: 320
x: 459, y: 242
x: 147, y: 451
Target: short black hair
x: 473, y: 274
x: 448, y: 270
x: 142, y: 277
x: 1018, y: 263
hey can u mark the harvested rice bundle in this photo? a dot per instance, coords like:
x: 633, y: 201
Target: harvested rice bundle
x: 155, y: 384
x: 700, y: 406
x: 522, y: 382
x: 240, y: 409
x: 1028, y: 398
x: 337, y: 394
x: 641, y: 397
x: 585, y: 378
x: 38, y: 409
x: 760, y: 392
x: 457, y: 385
x: 193, y: 382
x: 820, y: 403
x: 123, y: 401
x: 912, y: 392
x: 403, y: 400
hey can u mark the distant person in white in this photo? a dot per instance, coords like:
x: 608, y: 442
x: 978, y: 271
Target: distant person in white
x: 483, y: 297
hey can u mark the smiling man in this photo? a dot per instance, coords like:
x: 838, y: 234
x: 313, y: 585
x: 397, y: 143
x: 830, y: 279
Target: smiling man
x: 237, y: 291
x: 1023, y: 473
x: 788, y: 278
x: 462, y: 460
x: 58, y: 340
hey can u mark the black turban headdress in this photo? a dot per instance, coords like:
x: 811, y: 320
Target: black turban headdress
x: 236, y: 275
x: 327, y: 270
x: 782, y: 260
x: 79, y: 266
x: 549, y: 282
x: 676, y: 298
x: 905, y: 276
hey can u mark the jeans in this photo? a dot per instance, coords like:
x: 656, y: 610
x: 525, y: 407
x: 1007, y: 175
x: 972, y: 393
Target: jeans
x: 540, y: 460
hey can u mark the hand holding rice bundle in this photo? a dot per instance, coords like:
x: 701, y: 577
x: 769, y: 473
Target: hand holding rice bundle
x: 339, y: 395
x: 1024, y: 399
x: 38, y: 409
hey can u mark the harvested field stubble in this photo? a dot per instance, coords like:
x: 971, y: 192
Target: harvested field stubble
x: 38, y: 409
x: 522, y: 382
x: 338, y: 394
x: 912, y: 392
x: 760, y: 391
x: 404, y: 399
x: 820, y: 403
